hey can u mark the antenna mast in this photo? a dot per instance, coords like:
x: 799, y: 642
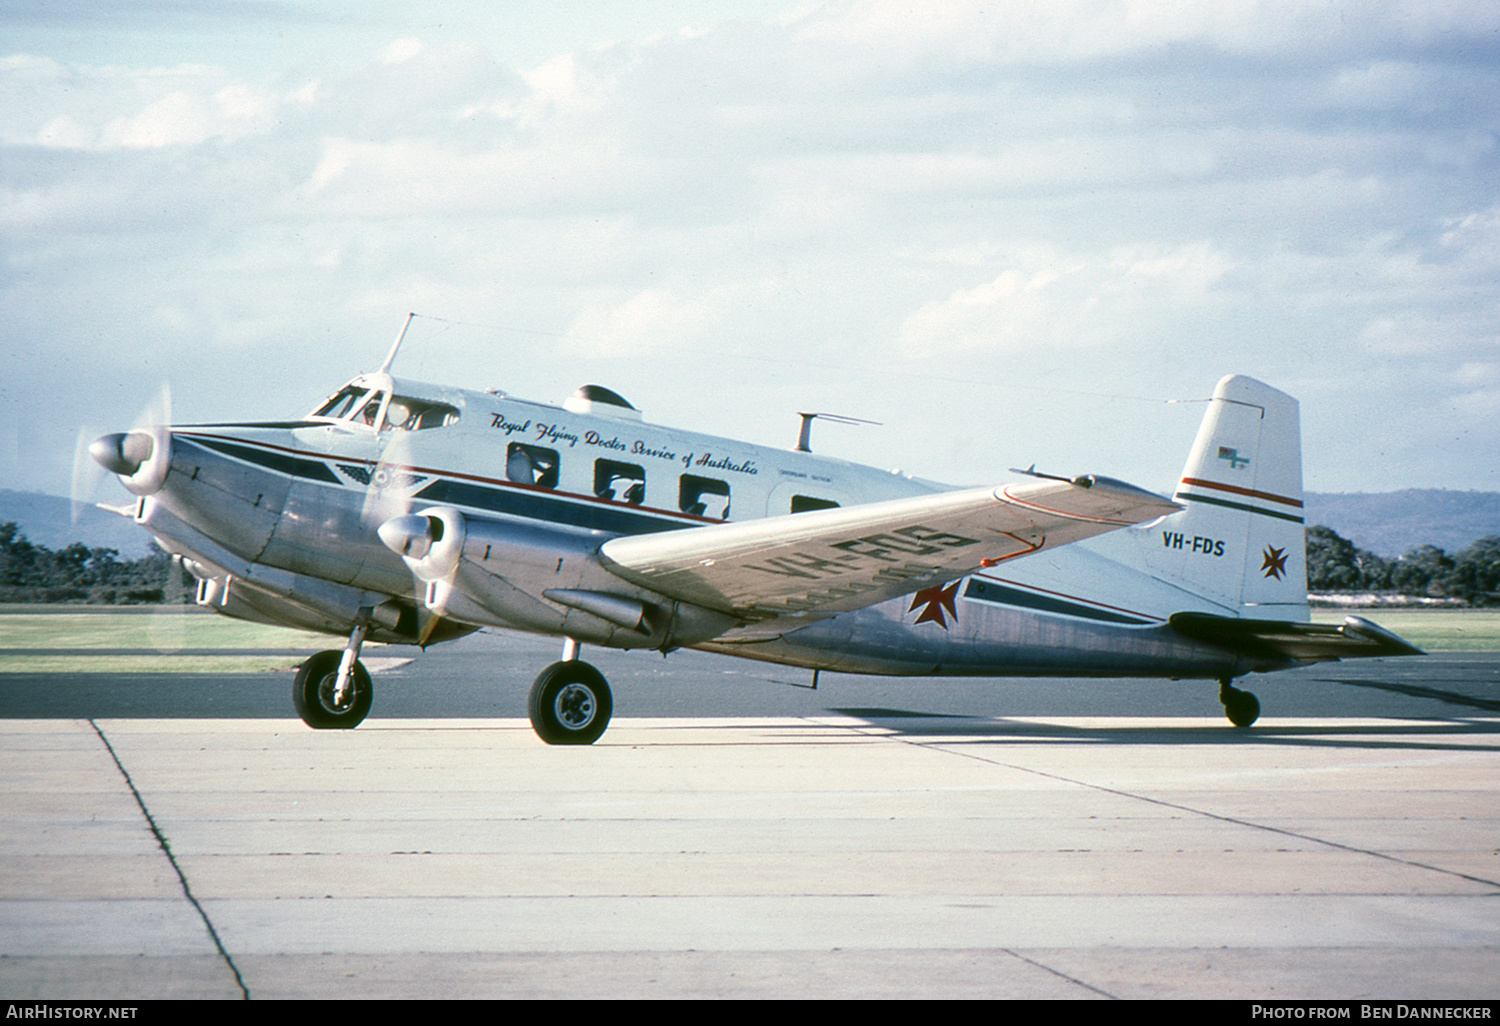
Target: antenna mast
x: 385, y: 368
x: 804, y: 437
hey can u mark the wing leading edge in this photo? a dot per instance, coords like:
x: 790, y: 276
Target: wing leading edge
x: 817, y: 564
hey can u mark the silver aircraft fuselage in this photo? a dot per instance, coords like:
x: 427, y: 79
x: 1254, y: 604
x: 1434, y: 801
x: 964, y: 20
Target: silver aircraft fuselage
x: 280, y: 523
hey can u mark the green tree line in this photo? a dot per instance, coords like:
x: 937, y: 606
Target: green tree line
x: 1473, y: 575
x: 35, y: 573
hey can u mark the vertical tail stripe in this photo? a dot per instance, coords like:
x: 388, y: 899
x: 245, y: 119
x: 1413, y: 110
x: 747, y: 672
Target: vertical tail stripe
x: 1244, y: 507
x: 1198, y: 482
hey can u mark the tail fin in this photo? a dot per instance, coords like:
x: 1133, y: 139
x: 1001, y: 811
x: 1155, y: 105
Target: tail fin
x: 1240, y: 541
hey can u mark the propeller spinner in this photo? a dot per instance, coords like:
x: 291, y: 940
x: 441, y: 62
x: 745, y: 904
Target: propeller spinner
x: 124, y: 452
x: 140, y: 457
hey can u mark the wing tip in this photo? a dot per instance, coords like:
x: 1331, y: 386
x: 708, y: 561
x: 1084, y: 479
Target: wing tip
x: 1099, y: 499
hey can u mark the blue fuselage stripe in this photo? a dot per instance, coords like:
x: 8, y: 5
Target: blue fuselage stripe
x: 279, y: 462
x: 989, y: 591
x: 519, y: 502
x: 511, y: 500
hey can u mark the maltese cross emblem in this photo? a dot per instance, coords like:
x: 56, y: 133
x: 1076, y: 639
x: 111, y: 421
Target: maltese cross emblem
x: 1274, y: 563
x: 936, y: 600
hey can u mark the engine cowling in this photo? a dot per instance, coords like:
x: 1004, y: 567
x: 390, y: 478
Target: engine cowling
x: 538, y: 578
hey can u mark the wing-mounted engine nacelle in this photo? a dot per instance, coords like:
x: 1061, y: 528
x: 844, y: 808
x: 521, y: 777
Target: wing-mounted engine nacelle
x: 431, y: 542
x: 246, y: 600
x: 530, y: 577
x: 140, y: 458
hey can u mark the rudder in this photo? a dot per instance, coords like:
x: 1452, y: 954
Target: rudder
x: 1240, y: 539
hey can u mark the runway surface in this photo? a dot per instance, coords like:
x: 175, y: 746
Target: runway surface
x: 735, y: 836
x: 488, y: 675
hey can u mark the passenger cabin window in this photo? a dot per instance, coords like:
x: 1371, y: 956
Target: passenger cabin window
x: 703, y: 497
x: 409, y: 414
x: 806, y: 504
x: 531, y: 465
x: 619, y: 482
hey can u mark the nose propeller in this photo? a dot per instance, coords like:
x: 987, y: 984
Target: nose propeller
x: 140, y: 457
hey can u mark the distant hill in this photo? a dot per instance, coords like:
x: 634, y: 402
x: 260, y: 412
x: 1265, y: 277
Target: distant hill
x: 48, y: 521
x: 1386, y: 523
x: 1393, y: 523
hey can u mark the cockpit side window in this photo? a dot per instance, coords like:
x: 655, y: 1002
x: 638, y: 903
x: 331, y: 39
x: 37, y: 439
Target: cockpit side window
x: 437, y: 415
x: 356, y: 404
x: 410, y: 414
x: 371, y: 410
x: 341, y: 406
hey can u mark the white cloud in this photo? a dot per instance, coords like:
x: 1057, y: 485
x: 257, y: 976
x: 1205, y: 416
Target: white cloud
x: 649, y: 322
x: 1050, y: 299
x: 188, y: 118
x: 1475, y: 237
x: 403, y: 50
x: 66, y: 133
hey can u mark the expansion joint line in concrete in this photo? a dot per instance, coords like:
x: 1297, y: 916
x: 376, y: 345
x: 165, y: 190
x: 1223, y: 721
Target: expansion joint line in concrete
x: 1060, y: 974
x: 166, y: 848
x: 1198, y: 812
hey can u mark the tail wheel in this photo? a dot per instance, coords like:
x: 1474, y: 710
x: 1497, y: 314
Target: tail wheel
x: 570, y: 704
x: 1242, y: 707
x: 315, y: 693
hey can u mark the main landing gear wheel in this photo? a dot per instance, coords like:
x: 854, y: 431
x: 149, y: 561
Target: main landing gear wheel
x: 570, y: 704
x: 314, y: 692
x: 1242, y: 707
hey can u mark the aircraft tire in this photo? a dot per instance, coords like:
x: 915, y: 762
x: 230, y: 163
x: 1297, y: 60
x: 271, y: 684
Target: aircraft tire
x: 312, y: 693
x: 570, y: 704
x: 1242, y: 707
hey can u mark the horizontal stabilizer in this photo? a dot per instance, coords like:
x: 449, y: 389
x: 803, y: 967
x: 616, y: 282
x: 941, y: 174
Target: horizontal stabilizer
x: 1355, y: 638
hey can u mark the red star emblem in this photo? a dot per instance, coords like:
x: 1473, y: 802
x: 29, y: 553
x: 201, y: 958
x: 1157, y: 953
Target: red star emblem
x: 1274, y: 564
x: 936, y: 600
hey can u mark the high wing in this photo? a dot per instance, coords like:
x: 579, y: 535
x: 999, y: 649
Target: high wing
x: 817, y: 564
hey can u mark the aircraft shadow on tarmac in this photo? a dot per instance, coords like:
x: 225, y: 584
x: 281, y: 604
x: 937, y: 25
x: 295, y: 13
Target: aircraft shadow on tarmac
x: 1442, y: 734
x: 1418, y: 691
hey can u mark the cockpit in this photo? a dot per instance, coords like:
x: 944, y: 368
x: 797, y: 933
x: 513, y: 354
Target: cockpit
x: 379, y: 408
x: 345, y: 405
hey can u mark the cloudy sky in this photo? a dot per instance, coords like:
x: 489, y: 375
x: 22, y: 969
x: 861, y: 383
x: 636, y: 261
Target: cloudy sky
x: 1008, y: 231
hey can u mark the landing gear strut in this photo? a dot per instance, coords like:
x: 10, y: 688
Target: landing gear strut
x: 1242, y: 707
x: 570, y: 703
